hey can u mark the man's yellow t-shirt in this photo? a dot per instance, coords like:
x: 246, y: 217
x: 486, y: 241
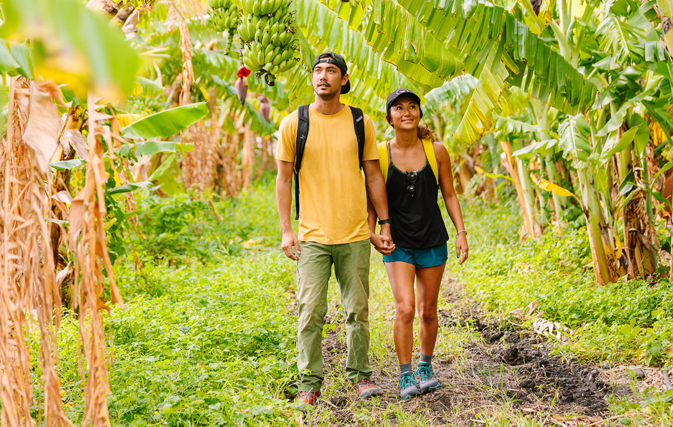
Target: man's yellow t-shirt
x: 332, y: 198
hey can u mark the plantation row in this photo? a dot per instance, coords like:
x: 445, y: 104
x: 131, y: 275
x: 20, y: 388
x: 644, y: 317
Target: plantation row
x: 129, y: 129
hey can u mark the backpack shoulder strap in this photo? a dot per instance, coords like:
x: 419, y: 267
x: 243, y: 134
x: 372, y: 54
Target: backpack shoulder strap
x: 359, y: 123
x: 382, y: 148
x: 432, y: 159
x: 302, y: 134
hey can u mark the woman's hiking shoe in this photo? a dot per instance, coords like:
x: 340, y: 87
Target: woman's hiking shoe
x: 306, y: 399
x: 408, y: 386
x: 426, y: 377
x: 366, y: 388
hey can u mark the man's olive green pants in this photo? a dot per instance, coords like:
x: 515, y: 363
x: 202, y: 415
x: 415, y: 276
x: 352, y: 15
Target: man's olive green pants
x: 351, y: 267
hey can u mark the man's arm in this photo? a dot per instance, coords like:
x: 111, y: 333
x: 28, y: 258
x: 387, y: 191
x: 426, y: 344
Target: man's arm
x: 284, y: 203
x: 376, y: 188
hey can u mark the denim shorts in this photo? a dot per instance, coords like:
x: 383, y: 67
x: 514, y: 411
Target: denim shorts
x: 421, y: 258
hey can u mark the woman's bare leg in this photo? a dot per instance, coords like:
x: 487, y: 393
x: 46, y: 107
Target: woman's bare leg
x: 428, y: 283
x: 401, y: 277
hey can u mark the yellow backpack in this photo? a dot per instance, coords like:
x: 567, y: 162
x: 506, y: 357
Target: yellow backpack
x: 429, y: 153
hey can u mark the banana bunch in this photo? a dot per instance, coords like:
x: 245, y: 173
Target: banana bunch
x: 268, y: 35
x: 225, y: 16
x: 261, y: 7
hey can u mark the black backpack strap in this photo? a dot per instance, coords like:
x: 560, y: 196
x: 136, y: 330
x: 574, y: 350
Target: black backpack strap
x: 359, y: 123
x: 302, y: 134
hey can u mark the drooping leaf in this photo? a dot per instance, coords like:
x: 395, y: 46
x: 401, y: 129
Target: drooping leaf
x: 556, y: 189
x: 167, y: 122
x: 67, y: 164
x: 624, y: 142
x: 127, y: 188
x: 43, y: 123
x: 149, y: 148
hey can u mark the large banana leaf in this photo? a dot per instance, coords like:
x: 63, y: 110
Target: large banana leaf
x: 471, y: 28
x: 453, y: 92
x: 483, y: 36
x: 166, y: 123
x: 485, y: 99
x: 72, y: 44
x: 574, y: 132
x: 373, y: 77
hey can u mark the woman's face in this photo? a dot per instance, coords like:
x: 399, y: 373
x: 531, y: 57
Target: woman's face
x: 405, y: 114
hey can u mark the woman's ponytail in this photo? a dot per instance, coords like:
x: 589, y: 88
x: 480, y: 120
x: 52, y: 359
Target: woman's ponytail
x: 424, y: 132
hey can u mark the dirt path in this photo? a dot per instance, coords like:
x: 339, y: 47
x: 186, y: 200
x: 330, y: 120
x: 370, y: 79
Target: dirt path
x: 501, y: 373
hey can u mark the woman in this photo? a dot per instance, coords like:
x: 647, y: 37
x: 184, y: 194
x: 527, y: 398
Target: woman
x: 415, y: 168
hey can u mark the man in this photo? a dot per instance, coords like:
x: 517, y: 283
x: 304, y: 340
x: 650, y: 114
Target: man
x: 333, y: 226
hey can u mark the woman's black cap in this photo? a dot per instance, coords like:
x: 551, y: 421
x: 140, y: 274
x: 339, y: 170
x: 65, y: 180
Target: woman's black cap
x: 400, y: 93
x: 335, y: 59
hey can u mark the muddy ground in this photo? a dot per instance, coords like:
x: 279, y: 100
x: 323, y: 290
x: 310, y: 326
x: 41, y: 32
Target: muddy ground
x: 504, y: 369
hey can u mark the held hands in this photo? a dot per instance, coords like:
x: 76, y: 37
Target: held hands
x: 289, y: 243
x: 461, y: 247
x: 383, y: 242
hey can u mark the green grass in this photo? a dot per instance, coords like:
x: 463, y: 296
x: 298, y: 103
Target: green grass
x: 628, y: 320
x: 208, y: 335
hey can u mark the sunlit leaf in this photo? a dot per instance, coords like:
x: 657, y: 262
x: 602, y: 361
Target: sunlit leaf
x: 167, y: 122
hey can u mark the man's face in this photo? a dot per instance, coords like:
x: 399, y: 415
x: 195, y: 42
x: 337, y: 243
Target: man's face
x: 327, y: 80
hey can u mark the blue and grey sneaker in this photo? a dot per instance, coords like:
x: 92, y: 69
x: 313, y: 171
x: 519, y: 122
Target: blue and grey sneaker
x: 426, y: 377
x: 408, y: 385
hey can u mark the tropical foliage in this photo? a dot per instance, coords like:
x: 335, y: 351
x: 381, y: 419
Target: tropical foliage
x: 562, y: 105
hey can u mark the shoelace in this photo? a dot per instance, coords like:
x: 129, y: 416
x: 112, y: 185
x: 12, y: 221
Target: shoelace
x: 425, y: 372
x: 407, y: 380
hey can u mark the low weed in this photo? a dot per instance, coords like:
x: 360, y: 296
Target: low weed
x: 628, y: 320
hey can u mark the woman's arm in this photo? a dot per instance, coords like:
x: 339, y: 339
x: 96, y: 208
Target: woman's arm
x: 451, y: 199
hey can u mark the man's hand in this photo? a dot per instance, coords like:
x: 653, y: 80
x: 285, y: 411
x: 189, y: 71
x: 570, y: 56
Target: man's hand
x: 383, y: 244
x: 461, y: 247
x: 289, y: 243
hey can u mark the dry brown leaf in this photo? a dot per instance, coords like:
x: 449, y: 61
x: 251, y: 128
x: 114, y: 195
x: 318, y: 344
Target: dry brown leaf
x: 63, y: 196
x: 43, y: 124
x: 75, y: 138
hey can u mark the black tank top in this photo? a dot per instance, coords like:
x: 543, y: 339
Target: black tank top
x: 416, y: 222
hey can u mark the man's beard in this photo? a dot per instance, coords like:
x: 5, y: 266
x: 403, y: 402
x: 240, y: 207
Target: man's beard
x: 327, y: 96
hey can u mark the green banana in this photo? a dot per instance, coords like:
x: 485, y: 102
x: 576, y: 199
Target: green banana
x: 266, y: 39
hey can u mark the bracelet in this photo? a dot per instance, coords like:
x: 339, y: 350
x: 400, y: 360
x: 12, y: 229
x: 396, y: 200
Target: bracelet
x: 461, y: 231
x: 384, y: 221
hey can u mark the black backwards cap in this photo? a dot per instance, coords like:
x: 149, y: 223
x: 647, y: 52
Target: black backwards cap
x: 400, y: 93
x: 335, y: 59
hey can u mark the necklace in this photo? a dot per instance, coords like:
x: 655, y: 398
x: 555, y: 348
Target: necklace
x: 407, y: 149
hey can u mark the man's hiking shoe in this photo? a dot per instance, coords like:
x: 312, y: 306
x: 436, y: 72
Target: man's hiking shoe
x: 306, y: 399
x: 366, y: 388
x: 408, y: 386
x: 426, y: 378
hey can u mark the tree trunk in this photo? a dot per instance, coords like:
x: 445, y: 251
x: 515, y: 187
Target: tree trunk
x: 639, y: 248
x: 248, y: 153
x: 601, y: 250
x: 528, y: 220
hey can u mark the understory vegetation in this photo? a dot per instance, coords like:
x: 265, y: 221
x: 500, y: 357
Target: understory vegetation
x: 208, y: 333
x: 631, y: 320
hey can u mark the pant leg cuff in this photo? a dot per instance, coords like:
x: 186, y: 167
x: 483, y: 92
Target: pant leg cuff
x: 309, y: 388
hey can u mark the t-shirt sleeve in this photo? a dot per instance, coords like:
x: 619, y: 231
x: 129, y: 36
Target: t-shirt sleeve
x: 287, y: 138
x: 370, y: 151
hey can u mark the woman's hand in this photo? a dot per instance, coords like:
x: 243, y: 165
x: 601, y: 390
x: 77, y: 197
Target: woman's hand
x: 461, y: 247
x: 383, y: 244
